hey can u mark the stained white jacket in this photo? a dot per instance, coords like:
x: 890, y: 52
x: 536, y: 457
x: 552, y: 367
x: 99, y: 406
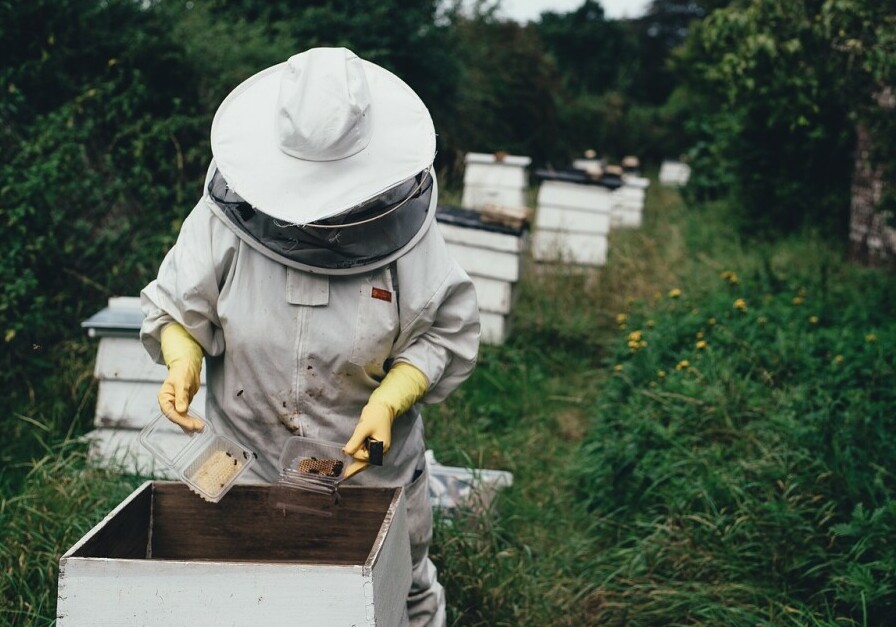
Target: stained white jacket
x: 291, y: 352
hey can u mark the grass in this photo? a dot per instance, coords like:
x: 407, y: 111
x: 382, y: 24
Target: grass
x: 752, y: 486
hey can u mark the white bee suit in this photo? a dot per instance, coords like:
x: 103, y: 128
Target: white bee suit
x: 292, y: 352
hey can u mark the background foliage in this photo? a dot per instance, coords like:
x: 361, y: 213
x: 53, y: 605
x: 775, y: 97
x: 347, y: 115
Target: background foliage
x: 104, y: 121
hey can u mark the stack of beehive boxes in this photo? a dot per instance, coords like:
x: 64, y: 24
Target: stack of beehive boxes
x: 492, y: 254
x: 628, y: 202
x: 128, y: 387
x: 489, y: 249
x: 572, y: 222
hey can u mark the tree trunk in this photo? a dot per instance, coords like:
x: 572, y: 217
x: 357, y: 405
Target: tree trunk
x: 872, y: 239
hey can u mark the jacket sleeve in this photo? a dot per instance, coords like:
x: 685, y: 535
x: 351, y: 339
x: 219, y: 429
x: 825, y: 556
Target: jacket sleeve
x: 439, y: 316
x: 188, y: 283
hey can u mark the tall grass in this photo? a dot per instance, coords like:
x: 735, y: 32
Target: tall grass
x: 752, y: 485
x: 61, y: 499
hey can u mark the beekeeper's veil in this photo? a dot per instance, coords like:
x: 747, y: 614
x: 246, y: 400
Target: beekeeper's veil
x: 324, y: 162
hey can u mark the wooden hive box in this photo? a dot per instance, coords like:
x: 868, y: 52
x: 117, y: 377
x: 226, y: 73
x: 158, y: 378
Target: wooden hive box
x: 492, y: 255
x: 165, y: 557
x: 572, y: 223
x: 494, y: 179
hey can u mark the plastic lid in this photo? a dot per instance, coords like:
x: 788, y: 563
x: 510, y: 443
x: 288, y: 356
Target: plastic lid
x: 169, y: 444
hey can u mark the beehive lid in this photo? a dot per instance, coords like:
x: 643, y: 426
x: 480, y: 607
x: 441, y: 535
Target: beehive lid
x: 122, y: 318
x: 470, y: 219
x: 574, y: 175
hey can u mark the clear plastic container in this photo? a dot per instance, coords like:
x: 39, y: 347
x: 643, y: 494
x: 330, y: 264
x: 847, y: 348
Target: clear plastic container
x: 208, y: 462
x: 313, y: 465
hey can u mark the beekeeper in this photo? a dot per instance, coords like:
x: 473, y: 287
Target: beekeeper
x: 312, y: 278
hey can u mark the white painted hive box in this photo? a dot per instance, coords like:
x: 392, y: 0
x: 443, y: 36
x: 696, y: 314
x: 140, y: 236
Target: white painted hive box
x: 490, y: 180
x: 674, y: 173
x: 572, y: 222
x: 165, y: 557
x: 128, y: 386
x: 628, y: 205
x: 492, y: 255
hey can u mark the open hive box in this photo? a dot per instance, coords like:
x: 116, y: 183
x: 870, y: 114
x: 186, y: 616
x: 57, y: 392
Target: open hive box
x: 166, y: 557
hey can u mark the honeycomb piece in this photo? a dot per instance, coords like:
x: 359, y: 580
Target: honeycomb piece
x: 324, y: 467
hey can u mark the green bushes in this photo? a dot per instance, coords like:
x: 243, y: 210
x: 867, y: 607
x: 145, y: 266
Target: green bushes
x: 744, y: 449
x: 778, y: 88
x: 98, y: 123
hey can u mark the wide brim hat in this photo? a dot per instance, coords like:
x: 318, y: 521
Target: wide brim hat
x: 319, y: 134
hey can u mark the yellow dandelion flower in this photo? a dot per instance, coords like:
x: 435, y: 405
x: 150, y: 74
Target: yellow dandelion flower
x: 731, y: 277
x: 798, y: 300
x: 699, y: 335
x: 871, y: 337
x: 674, y: 293
x: 683, y: 365
x: 621, y: 318
x: 661, y: 374
x: 642, y: 344
x: 651, y: 324
x: 813, y: 319
x: 740, y: 304
x: 838, y: 359
x: 635, y: 336
x: 700, y: 345
x: 711, y: 321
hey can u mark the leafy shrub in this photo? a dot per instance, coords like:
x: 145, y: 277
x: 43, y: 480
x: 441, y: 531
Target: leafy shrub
x: 746, y: 443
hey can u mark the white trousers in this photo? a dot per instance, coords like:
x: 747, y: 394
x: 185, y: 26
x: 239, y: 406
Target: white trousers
x: 426, y: 599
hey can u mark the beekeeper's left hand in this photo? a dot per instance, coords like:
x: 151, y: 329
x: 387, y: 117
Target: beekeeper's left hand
x: 402, y: 386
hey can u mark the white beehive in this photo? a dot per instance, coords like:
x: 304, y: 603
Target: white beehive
x: 492, y: 255
x: 628, y: 202
x: 674, y: 173
x: 491, y: 179
x: 128, y: 386
x: 572, y: 223
x: 164, y: 557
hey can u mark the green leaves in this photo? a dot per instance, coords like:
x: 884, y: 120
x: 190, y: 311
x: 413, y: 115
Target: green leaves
x: 752, y: 414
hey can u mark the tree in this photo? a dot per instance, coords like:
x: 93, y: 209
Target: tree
x: 773, y: 117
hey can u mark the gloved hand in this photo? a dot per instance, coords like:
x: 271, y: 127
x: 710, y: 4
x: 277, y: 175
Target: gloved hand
x: 402, y: 386
x: 183, y: 356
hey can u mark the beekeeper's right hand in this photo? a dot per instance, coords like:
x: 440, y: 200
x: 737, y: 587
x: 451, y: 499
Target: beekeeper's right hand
x: 183, y: 356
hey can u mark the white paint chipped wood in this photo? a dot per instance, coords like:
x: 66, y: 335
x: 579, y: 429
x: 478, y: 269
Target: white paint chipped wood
x: 100, y: 592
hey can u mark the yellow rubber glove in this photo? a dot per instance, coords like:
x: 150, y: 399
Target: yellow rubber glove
x: 183, y: 356
x: 402, y: 386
